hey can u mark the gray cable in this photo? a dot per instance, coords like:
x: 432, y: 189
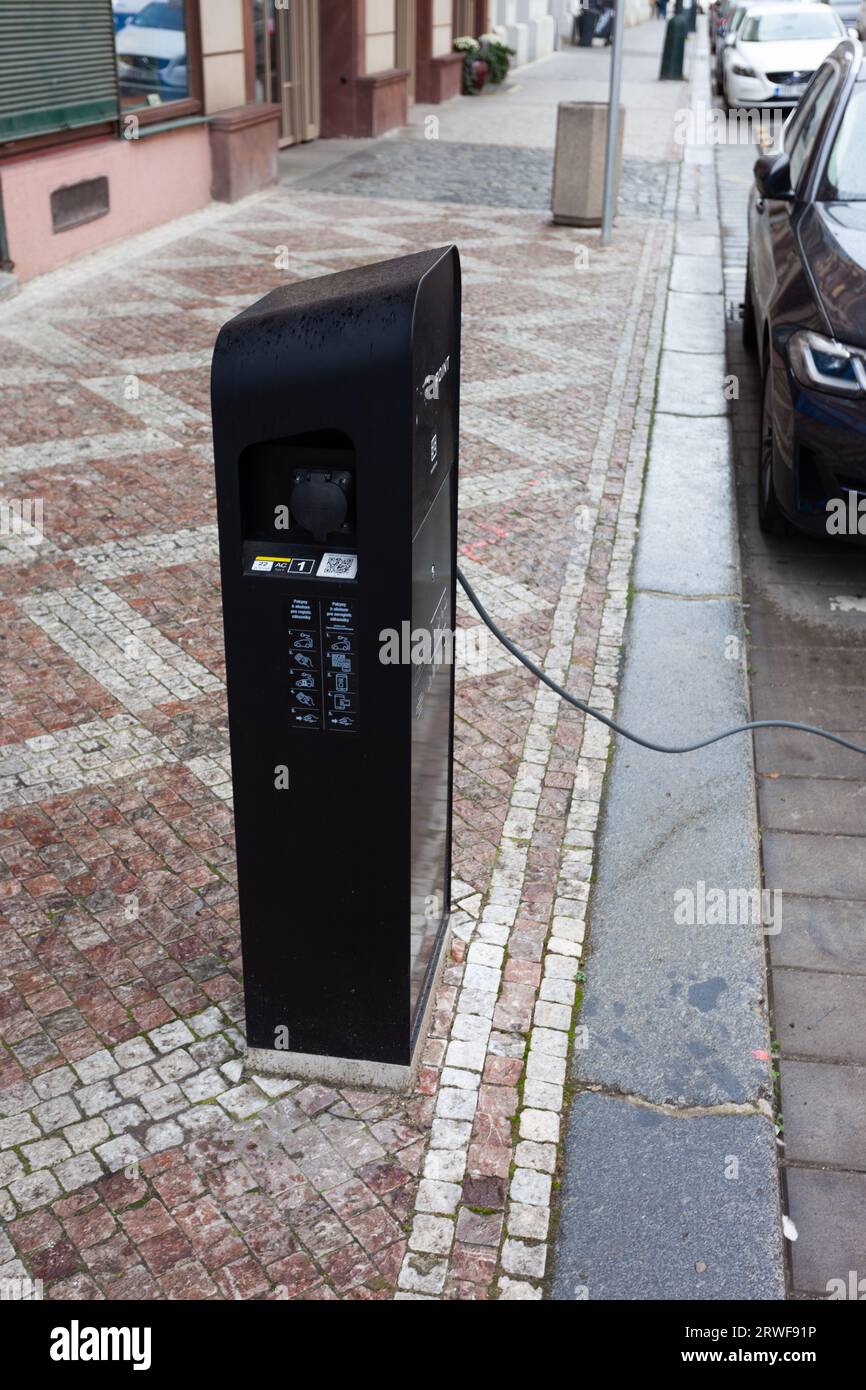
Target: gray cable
x: 634, y: 738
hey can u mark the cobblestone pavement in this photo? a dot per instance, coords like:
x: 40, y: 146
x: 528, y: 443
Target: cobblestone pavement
x: 455, y: 172
x: 135, y: 1159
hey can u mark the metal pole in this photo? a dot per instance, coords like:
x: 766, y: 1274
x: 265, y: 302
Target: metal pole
x: 608, y: 208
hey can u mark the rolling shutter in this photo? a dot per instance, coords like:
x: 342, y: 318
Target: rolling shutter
x: 57, y: 66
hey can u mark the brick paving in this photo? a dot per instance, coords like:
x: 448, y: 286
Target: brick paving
x: 136, y: 1159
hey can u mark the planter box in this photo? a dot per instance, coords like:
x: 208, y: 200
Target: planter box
x: 383, y: 101
x: 243, y: 143
x: 439, y: 79
x: 578, y: 164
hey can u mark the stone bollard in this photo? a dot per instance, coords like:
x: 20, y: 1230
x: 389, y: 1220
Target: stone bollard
x: 578, y: 164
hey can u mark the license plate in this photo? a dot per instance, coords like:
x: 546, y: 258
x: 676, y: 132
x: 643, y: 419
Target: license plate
x: 795, y: 89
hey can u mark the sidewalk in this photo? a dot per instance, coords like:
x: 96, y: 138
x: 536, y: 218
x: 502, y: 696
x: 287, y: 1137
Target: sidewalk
x: 669, y: 1186
x: 136, y: 1162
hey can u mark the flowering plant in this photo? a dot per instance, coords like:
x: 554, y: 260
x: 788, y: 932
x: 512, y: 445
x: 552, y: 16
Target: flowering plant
x: 484, y: 60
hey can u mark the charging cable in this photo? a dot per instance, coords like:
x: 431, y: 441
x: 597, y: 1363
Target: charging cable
x: 635, y: 738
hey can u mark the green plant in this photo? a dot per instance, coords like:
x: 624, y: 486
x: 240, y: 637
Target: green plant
x: 497, y: 55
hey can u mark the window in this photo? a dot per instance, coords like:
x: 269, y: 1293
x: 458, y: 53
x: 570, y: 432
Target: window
x: 789, y: 26
x: 267, y: 85
x: 810, y: 118
x: 151, y: 45
x: 846, y: 168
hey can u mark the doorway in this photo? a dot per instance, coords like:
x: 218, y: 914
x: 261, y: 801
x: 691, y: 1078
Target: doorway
x: 287, y: 65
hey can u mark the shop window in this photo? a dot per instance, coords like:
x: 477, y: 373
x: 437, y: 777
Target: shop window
x: 152, y: 45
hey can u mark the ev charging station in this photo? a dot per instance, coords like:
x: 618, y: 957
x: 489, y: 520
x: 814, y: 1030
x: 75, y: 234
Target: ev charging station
x: 335, y: 415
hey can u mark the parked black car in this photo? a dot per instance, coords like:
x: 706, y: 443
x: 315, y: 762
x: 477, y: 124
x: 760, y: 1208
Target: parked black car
x: 805, y: 301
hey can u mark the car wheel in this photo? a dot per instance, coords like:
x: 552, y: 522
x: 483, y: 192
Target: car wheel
x: 770, y: 516
x: 750, y: 332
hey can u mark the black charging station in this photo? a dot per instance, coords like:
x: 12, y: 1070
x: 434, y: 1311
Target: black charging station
x: 335, y: 415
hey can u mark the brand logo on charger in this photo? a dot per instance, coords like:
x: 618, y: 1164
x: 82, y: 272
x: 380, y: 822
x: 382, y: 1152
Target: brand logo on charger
x: 77, y: 1343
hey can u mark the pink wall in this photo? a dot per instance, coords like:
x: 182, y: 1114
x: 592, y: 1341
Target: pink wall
x: 150, y: 181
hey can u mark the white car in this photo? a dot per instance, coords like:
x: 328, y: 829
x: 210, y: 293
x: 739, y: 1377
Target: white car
x: 775, y: 52
x: 126, y: 10
x: 151, y: 51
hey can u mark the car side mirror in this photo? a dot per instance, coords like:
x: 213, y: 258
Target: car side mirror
x: 773, y: 176
x: 853, y: 33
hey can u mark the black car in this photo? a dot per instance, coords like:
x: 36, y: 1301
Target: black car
x: 805, y: 303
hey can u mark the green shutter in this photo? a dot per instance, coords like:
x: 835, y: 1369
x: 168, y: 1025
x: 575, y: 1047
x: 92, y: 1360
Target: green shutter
x: 57, y: 66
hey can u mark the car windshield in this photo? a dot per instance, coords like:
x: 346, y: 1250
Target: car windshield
x: 158, y: 16
x: 780, y: 28
x: 846, y: 167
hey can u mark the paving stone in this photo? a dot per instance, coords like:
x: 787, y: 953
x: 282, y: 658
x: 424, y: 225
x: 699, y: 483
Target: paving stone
x: 530, y: 1188
x: 818, y: 1014
x: 15, y: 1099
x: 170, y: 1036
x: 242, y: 1101
x: 825, y: 1113
x: 136, y: 1082
x: 542, y: 1126
x: 530, y: 1222
x: 34, y: 1189
x: 133, y: 1053
x: 97, y: 1067
x: 436, y: 1196
x: 520, y: 1258
x: 175, y: 1066
x: 78, y: 1171
x: 205, y: 1085
x: 820, y: 934
x: 45, y: 1153
x: 10, y: 1167
x: 125, y: 1117
x: 518, y: 1291
x: 826, y: 1209
x: 164, y: 1101
x: 96, y: 1098
x: 86, y: 1135
x: 17, y: 1129
x: 207, y: 1022
x: 54, y: 1114
x: 121, y: 1152
x: 477, y: 1228
x: 433, y: 1234
x: 163, y: 1136
x: 56, y: 1082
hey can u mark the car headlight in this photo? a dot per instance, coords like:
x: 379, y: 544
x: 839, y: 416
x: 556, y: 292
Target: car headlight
x: 743, y: 70
x: 831, y: 366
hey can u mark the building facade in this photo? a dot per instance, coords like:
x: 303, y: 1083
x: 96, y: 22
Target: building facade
x: 118, y: 115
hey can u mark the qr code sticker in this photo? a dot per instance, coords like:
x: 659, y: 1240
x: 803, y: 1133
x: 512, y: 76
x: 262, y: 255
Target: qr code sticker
x: 334, y: 566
